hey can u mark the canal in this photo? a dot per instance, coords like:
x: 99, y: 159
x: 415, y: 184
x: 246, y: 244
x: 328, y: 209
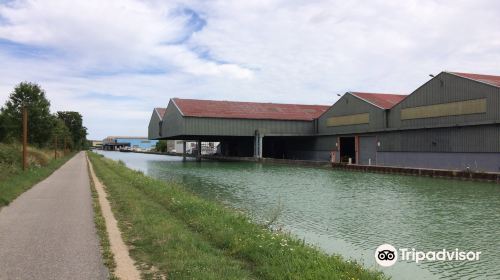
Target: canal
x: 352, y: 213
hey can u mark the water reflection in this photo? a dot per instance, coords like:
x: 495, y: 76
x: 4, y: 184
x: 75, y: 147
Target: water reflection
x: 353, y: 213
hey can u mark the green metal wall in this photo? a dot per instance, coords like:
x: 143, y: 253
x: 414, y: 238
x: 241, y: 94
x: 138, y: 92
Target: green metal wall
x: 153, y: 127
x: 446, y: 88
x: 350, y: 105
x: 173, y: 122
x: 245, y: 127
x: 485, y: 138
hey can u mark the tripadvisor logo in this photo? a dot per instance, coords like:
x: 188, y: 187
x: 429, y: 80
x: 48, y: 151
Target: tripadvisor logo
x: 386, y: 255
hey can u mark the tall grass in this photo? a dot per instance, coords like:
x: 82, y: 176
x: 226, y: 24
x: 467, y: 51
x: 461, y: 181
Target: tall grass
x: 183, y: 236
x: 13, y: 180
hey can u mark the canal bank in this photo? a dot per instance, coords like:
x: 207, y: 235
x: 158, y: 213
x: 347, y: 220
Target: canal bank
x: 351, y: 213
x: 176, y: 234
x: 465, y: 175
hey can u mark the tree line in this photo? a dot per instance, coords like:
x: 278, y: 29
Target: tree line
x: 43, y: 126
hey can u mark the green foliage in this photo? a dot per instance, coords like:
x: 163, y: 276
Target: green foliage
x: 3, y: 127
x: 41, y: 122
x: 10, y: 160
x: 74, y: 122
x: 62, y: 132
x: 14, y: 182
x: 183, y: 236
x: 162, y: 146
x: 43, y: 127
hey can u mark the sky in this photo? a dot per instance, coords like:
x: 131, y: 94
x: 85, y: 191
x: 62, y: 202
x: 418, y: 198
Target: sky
x: 115, y: 60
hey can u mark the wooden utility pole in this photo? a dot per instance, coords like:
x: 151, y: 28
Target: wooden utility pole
x: 65, y: 144
x: 55, y: 147
x: 25, y: 138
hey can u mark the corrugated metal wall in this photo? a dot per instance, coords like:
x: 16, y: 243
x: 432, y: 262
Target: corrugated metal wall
x: 446, y: 88
x: 173, y: 122
x: 484, y: 138
x: 245, y: 127
x: 153, y: 126
x: 367, y: 150
x: 349, y: 105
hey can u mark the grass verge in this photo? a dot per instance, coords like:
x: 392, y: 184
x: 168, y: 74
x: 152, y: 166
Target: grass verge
x: 100, y: 224
x: 178, y: 235
x: 15, y: 182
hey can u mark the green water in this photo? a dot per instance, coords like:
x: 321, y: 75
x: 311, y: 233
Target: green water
x: 352, y: 213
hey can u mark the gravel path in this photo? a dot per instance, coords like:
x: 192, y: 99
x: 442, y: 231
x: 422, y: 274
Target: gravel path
x: 49, y: 233
x: 125, y: 268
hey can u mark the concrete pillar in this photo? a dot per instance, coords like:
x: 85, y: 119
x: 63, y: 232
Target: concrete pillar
x: 257, y: 145
x: 184, y: 150
x: 260, y: 145
x: 198, y: 146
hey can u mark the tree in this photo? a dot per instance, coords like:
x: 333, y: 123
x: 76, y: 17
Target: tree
x: 62, y: 132
x: 74, y: 122
x: 162, y: 146
x: 3, y: 128
x: 41, y: 122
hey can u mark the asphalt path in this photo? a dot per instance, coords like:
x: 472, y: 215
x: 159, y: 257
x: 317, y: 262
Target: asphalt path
x: 49, y: 233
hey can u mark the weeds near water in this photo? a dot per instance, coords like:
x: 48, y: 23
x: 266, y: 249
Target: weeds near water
x: 274, y: 215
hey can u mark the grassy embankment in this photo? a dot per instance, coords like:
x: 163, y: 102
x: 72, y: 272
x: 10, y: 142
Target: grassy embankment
x: 13, y: 181
x: 175, y: 234
x: 100, y: 222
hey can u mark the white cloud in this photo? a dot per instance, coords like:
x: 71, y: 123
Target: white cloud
x: 112, y: 35
x: 279, y: 51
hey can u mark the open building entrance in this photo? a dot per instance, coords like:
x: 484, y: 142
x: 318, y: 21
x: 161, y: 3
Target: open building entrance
x: 348, y: 149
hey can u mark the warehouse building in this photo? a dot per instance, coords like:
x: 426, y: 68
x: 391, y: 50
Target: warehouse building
x: 450, y: 122
x: 114, y: 143
x: 240, y: 127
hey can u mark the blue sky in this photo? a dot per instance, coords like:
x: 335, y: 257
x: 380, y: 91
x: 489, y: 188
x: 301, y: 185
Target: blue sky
x: 115, y: 60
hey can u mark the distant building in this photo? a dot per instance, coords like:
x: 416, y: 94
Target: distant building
x: 191, y: 147
x: 156, y: 125
x: 113, y: 143
x: 96, y: 144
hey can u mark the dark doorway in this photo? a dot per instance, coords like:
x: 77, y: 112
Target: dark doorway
x: 347, y: 149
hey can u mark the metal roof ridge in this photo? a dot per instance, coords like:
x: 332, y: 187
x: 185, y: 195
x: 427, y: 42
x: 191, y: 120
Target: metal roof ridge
x: 353, y: 93
x: 272, y: 103
x: 158, y: 113
x: 176, y: 106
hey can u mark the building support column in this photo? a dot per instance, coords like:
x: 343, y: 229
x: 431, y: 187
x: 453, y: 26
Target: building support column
x: 184, y: 150
x: 257, y: 145
x: 198, y: 152
x: 261, y: 137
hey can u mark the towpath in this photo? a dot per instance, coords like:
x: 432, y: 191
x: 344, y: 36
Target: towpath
x: 49, y: 233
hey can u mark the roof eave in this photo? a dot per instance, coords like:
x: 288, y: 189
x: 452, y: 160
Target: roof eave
x: 479, y: 81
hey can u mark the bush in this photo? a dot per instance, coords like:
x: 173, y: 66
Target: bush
x: 10, y: 154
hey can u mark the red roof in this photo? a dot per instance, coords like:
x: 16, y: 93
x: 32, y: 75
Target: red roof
x: 248, y: 110
x: 381, y: 100
x: 488, y: 79
x: 160, y: 111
